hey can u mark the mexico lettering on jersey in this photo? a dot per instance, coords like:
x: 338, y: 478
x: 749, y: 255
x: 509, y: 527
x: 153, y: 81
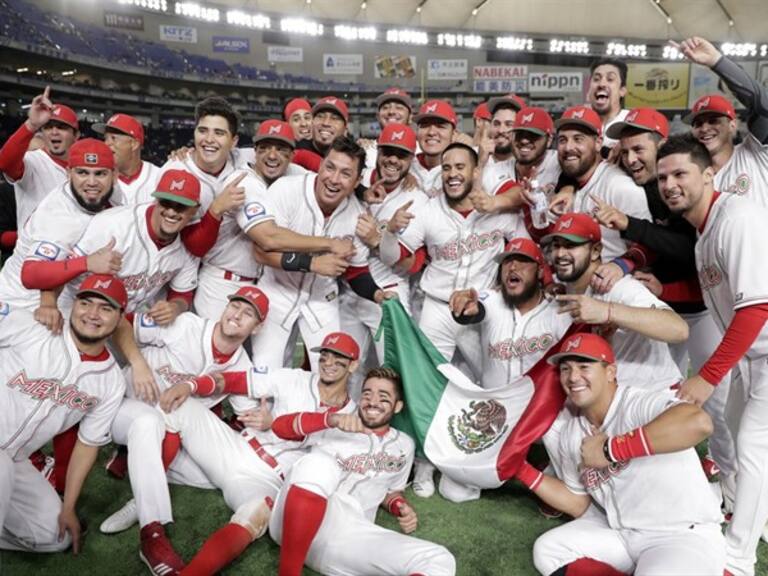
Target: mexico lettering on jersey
x: 42, y: 174
x: 746, y: 172
x: 47, y: 389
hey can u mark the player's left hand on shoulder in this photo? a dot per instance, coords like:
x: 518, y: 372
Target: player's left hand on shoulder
x: 69, y: 522
x: 605, y: 277
x: 592, y: 450
x: 50, y: 317
x: 407, y: 519
x: 695, y: 390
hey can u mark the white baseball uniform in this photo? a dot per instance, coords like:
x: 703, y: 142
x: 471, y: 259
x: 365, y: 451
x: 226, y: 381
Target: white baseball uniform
x: 430, y: 179
x: 50, y: 234
x: 731, y: 275
x: 146, y: 268
x: 138, y: 189
x: 304, y: 297
x: 611, y: 184
x: 746, y: 172
x: 48, y: 389
x: 496, y: 172
x: 355, y: 473
x: 42, y: 173
x: 660, y: 514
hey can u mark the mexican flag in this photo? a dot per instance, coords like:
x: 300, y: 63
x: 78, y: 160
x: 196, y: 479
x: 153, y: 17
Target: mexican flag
x: 476, y: 436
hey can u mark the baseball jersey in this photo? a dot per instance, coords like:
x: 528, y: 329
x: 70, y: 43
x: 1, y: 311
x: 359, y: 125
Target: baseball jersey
x: 48, y: 388
x: 730, y: 264
x: 641, y: 361
x: 42, y: 173
x: 184, y: 349
x: 372, y: 465
x: 430, y: 179
x: 293, y: 390
x: 146, y: 268
x: 513, y: 342
x: 746, y: 172
x: 462, y: 249
x: 659, y: 492
x: 546, y: 174
x: 48, y: 235
x: 292, y: 204
x: 139, y: 188
x: 496, y: 172
x: 612, y: 185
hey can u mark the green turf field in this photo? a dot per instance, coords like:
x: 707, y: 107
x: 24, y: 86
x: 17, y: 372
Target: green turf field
x: 493, y: 536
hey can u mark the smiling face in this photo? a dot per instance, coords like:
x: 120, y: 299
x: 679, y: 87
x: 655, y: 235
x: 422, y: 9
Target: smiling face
x: 434, y: 135
x: 92, y: 187
x: 213, y: 142
x: 570, y: 261
x: 715, y: 131
x: 301, y: 124
x: 605, y: 90
x: 458, y: 168
x: 239, y: 320
x: 682, y: 182
x: 168, y: 218
x: 334, y: 367
x: 528, y: 147
x: 578, y: 151
x: 326, y: 126
x: 392, y: 164
x: 58, y: 137
x: 638, y: 156
x: 519, y: 278
x: 587, y: 383
x: 392, y: 112
x: 379, y: 402
x: 272, y: 159
x: 93, y: 319
x: 501, y: 130
x: 337, y: 178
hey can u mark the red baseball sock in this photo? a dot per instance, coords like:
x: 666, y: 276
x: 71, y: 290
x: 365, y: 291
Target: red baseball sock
x: 63, y: 444
x: 590, y: 567
x: 221, y: 548
x: 303, y: 514
x: 171, y: 446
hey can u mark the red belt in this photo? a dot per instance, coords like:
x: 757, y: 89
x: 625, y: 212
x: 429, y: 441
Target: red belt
x: 232, y: 276
x: 268, y: 459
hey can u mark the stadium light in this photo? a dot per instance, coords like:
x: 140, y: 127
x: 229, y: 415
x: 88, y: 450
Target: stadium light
x: 459, y: 40
x: 156, y: 5
x: 240, y: 18
x: 763, y: 50
x: 626, y: 50
x: 671, y: 53
x: 739, y: 49
x: 355, y: 33
x: 517, y: 43
x: 301, y: 26
x: 407, y: 37
x: 568, y: 46
x: 194, y: 10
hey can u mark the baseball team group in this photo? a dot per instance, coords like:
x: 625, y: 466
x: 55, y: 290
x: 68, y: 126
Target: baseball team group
x: 139, y: 299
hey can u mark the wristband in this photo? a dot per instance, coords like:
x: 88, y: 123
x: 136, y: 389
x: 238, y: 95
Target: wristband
x: 204, y: 385
x: 309, y: 422
x: 621, y: 263
x: 394, y: 505
x: 607, y: 451
x: 633, y: 444
x: 529, y: 476
x: 296, y: 261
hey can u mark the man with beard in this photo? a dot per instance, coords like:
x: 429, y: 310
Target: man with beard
x: 325, y: 512
x: 607, y: 89
x: 496, y: 157
x: 435, y: 126
x: 35, y: 173
x: 298, y: 113
x: 53, y: 382
x: 462, y: 243
x: 330, y: 116
x: 41, y: 260
x: 733, y: 280
x: 533, y: 131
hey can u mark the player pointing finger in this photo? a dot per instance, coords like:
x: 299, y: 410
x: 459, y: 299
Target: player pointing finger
x: 231, y: 198
x: 609, y: 216
x: 583, y: 308
x: 400, y: 219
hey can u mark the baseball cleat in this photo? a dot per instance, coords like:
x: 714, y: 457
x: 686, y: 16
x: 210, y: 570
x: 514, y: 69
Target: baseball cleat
x: 117, y: 465
x: 121, y: 520
x: 423, y: 481
x: 158, y: 553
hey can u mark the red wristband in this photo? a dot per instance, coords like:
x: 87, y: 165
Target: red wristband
x: 529, y: 476
x: 204, y: 385
x: 394, y: 505
x: 310, y: 422
x: 630, y: 445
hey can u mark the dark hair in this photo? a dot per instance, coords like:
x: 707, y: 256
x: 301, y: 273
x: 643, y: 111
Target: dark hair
x: 387, y: 374
x: 618, y: 64
x: 686, y: 144
x: 218, y: 106
x: 630, y: 131
x: 461, y: 146
x: 346, y: 145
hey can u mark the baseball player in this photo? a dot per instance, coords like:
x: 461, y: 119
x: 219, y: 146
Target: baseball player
x: 137, y: 178
x: 631, y: 477
x: 53, y: 382
x: 249, y: 467
x: 436, y: 123
x: 188, y: 347
x: 393, y: 106
x: 324, y: 514
x: 534, y: 161
x: 606, y: 92
x: 481, y: 119
x: 496, y: 158
x: 741, y: 168
x: 298, y: 113
x: 330, y: 116
x: 302, y: 288
x: 734, y: 290
x: 35, y: 173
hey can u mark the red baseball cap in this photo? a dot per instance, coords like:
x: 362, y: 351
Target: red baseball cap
x: 294, y: 106
x: 482, y: 112
x: 398, y: 136
x: 255, y: 298
x: 524, y: 247
x: 178, y: 186
x: 107, y: 286
x: 334, y: 104
x: 576, y: 227
x: 536, y: 120
x: 711, y: 104
x: 65, y: 115
x: 581, y: 116
x: 439, y: 109
x: 648, y: 119
x: 341, y: 343
x: 275, y: 130
x: 513, y: 99
x: 122, y: 123
x: 394, y: 94
x: 584, y: 345
x: 91, y: 153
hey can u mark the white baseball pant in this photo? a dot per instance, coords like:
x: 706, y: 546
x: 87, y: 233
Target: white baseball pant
x: 696, y: 550
x: 212, y: 291
x: 347, y: 543
x: 29, y: 509
x: 269, y: 345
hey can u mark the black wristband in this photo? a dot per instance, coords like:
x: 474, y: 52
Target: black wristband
x: 296, y: 261
x: 364, y: 286
x: 607, y: 450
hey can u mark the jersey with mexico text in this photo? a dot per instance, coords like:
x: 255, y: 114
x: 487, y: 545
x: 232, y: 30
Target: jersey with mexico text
x: 48, y: 388
x: 746, y: 172
x: 42, y: 173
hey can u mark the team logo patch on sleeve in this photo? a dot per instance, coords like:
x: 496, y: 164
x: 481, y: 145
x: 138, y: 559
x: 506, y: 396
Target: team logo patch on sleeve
x: 254, y: 210
x: 260, y: 369
x: 483, y: 294
x: 4, y: 308
x: 147, y: 321
x: 47, y: 251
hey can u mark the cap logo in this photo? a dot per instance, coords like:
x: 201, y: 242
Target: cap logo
x: 431, y: 108
x: 578, y: 113
x: 515, y: 246
x: 572, y: 344
x: 56, y: 111
x: 331, y: 101
x: 398, y: 135
x: 112, y: 119
x: 91, y: 158
x: 703, y: 103
x: 565, y: 224
x: 252, y: 295
x: 332, y: 340
x: 631, y: 116
x: 177, y: 185
x: 102, y: 284
x: 527, y: 118
x: 274, y: 129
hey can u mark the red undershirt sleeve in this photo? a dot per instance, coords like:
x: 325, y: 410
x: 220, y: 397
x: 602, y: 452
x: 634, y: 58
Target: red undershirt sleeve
x: 8, y: 238
x: 740, y: 335
x: 186, y: 296
x: 199, y: 238
x: 235, y: 383
x: 12, y: 152
x: 420, y: 257
x: 687, y: 290
x: 40, y: 275
x: 307, y: 159
x: 299, y: 425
